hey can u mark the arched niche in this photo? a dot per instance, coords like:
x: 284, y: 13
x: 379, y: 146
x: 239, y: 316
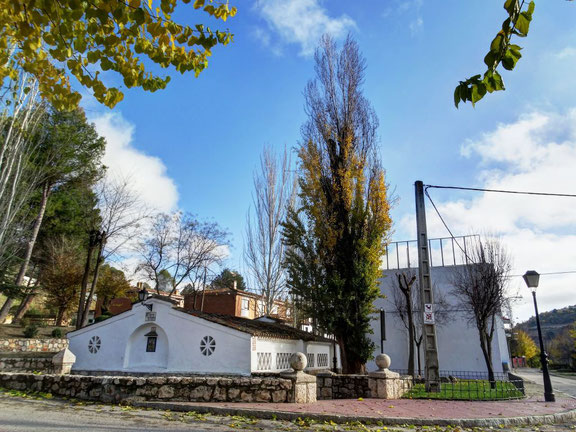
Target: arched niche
x: 146, y: 355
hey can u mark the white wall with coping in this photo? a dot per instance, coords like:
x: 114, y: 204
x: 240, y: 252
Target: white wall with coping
x: 279, y: 350
x: 458, y: 339
x: 123, y: 344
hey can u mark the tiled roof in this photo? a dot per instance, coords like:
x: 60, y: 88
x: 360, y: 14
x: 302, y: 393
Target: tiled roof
x: 257, y: 328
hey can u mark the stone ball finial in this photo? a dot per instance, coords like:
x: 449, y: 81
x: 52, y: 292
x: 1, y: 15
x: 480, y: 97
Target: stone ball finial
x: 383, y: 361
x: 298, y: 361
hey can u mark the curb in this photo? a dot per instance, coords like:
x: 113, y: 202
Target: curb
x: 560, y: 417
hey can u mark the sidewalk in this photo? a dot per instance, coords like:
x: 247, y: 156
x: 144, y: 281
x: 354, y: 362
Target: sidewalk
x: 396, y: 412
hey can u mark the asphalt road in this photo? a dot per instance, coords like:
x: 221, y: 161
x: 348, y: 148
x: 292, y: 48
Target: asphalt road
x: 565, y: 383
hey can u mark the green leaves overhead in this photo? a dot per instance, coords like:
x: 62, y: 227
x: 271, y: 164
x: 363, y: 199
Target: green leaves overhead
x: 502, y: 52
x: 53, y: 39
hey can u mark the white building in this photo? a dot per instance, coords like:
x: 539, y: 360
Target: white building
x: 458, y: 340
x: 159, y: 337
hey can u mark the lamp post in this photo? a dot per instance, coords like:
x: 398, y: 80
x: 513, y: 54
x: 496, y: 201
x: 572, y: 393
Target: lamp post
x: 531, y: 278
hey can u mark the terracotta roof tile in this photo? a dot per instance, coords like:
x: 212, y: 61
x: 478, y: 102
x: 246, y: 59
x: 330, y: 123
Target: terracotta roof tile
x: 257, y: 328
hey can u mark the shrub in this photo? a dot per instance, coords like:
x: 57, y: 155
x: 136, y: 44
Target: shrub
x: 57, y: 333
x: 24, y: 322
x: 30, y: 331
x: 102, y: 317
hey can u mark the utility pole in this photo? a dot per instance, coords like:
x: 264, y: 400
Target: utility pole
x: 426, y: 298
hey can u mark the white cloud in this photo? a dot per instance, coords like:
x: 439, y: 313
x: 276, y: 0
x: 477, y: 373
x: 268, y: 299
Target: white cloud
x: 416, y: 26
x: 300, y: 22
x: 535, y: 153
x: 147, y: 174
x: 407, y: 8
x: 566, y: 53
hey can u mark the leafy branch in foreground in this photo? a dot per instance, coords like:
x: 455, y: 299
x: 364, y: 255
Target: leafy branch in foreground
x: 53, y: 39
x: 502, y: 52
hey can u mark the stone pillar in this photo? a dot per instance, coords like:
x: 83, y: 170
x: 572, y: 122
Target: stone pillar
x: 385, y: 384
x: 304, y: 385
x: 63, y: 362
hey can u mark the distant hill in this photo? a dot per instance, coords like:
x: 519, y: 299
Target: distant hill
x: 552, y: 322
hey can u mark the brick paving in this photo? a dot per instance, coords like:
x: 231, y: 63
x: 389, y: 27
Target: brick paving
x: 404, y: 408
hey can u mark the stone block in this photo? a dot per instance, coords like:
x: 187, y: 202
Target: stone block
x: 166, y: 392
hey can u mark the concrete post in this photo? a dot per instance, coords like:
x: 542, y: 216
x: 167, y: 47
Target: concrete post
x: 63, y: 362
x: 385, y: 384
x: 304, y: 385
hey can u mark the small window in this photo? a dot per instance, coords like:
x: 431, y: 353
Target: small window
x: 151, y: 344
x: 207, y: 345
x: 151, y: 341
x: 245, y: 304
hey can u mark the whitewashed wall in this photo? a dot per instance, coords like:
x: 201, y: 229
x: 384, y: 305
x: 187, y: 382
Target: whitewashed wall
x: 123, y: 344
x: 458, y: 340
x: 271, y: 355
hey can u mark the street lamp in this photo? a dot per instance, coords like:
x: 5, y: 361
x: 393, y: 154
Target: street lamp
x: 142, y: 294
x: 531, y: 278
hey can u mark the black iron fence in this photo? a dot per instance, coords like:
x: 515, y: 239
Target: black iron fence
x: 465, y: 385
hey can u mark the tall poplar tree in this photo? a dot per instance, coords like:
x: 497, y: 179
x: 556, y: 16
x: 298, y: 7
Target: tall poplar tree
x: 343, y: 201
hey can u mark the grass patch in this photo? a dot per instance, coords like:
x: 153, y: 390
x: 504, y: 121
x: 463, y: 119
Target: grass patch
x: 467, y: 390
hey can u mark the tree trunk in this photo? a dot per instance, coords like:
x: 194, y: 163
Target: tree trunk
x: 350, y: 363
x: 24, y: 306
x: 411, y: 337
x: 86, y: 311
x: 418, y: 344
x: 91, y: 245
x: 60, y: 316
x: 29, y: 248
x: 486, y: 346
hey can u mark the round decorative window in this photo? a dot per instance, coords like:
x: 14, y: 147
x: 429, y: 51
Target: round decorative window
x: 94, y: 344
x: 207, y: 345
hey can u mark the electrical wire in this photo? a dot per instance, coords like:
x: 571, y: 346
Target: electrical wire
x: 491, y: 190
x: 445, y: 224
x: 502, y: 191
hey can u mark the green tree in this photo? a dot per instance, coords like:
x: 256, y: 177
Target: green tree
x: 343, y: 197
x: 226, y: 279
x: 53, y: 40
x: 562, y: 348
x: 112, y: 284
x: 502, y: 53
x: 68, y: 148
x: 60, y: 275
x: 70, y: 213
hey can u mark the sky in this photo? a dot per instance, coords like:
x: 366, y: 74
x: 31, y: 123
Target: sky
x: 195, y: 145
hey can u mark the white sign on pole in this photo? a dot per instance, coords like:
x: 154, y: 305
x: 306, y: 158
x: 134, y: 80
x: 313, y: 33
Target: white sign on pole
x: 428, y: 313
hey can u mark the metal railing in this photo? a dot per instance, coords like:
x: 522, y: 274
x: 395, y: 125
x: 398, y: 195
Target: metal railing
x: 465, y: 385
x: 444, y: 251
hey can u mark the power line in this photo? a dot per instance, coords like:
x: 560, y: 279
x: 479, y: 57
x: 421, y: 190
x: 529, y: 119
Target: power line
x: 489, y: 190
x: 445, y: 224
x: 502, y: 191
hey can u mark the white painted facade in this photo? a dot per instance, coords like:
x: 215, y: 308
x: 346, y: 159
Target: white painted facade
x: 457, y: 338
x: 184, y: 344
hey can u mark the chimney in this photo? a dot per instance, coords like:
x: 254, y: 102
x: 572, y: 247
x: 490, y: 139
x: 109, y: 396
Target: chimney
x: 234, y: 285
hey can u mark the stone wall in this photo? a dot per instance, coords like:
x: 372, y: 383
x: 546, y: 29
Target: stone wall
x: 16, y: 362
x: 342, y: 386
x: 127, y: 389
x: 33, y: 345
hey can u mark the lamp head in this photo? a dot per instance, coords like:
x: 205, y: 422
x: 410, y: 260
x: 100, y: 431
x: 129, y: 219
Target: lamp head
x: 142, y: 294
x: 531, y: 278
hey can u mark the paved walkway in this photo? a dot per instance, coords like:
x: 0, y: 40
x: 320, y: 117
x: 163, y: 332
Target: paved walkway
x: 560, y: 383
x: 394, y: 412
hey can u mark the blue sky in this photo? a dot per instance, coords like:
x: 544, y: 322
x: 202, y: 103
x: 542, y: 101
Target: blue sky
x: 195, y: 145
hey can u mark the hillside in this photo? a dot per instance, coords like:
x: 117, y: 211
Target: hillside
x: 552, y: 322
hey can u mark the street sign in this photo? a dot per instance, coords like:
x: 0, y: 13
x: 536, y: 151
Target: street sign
x: 428, y: 317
